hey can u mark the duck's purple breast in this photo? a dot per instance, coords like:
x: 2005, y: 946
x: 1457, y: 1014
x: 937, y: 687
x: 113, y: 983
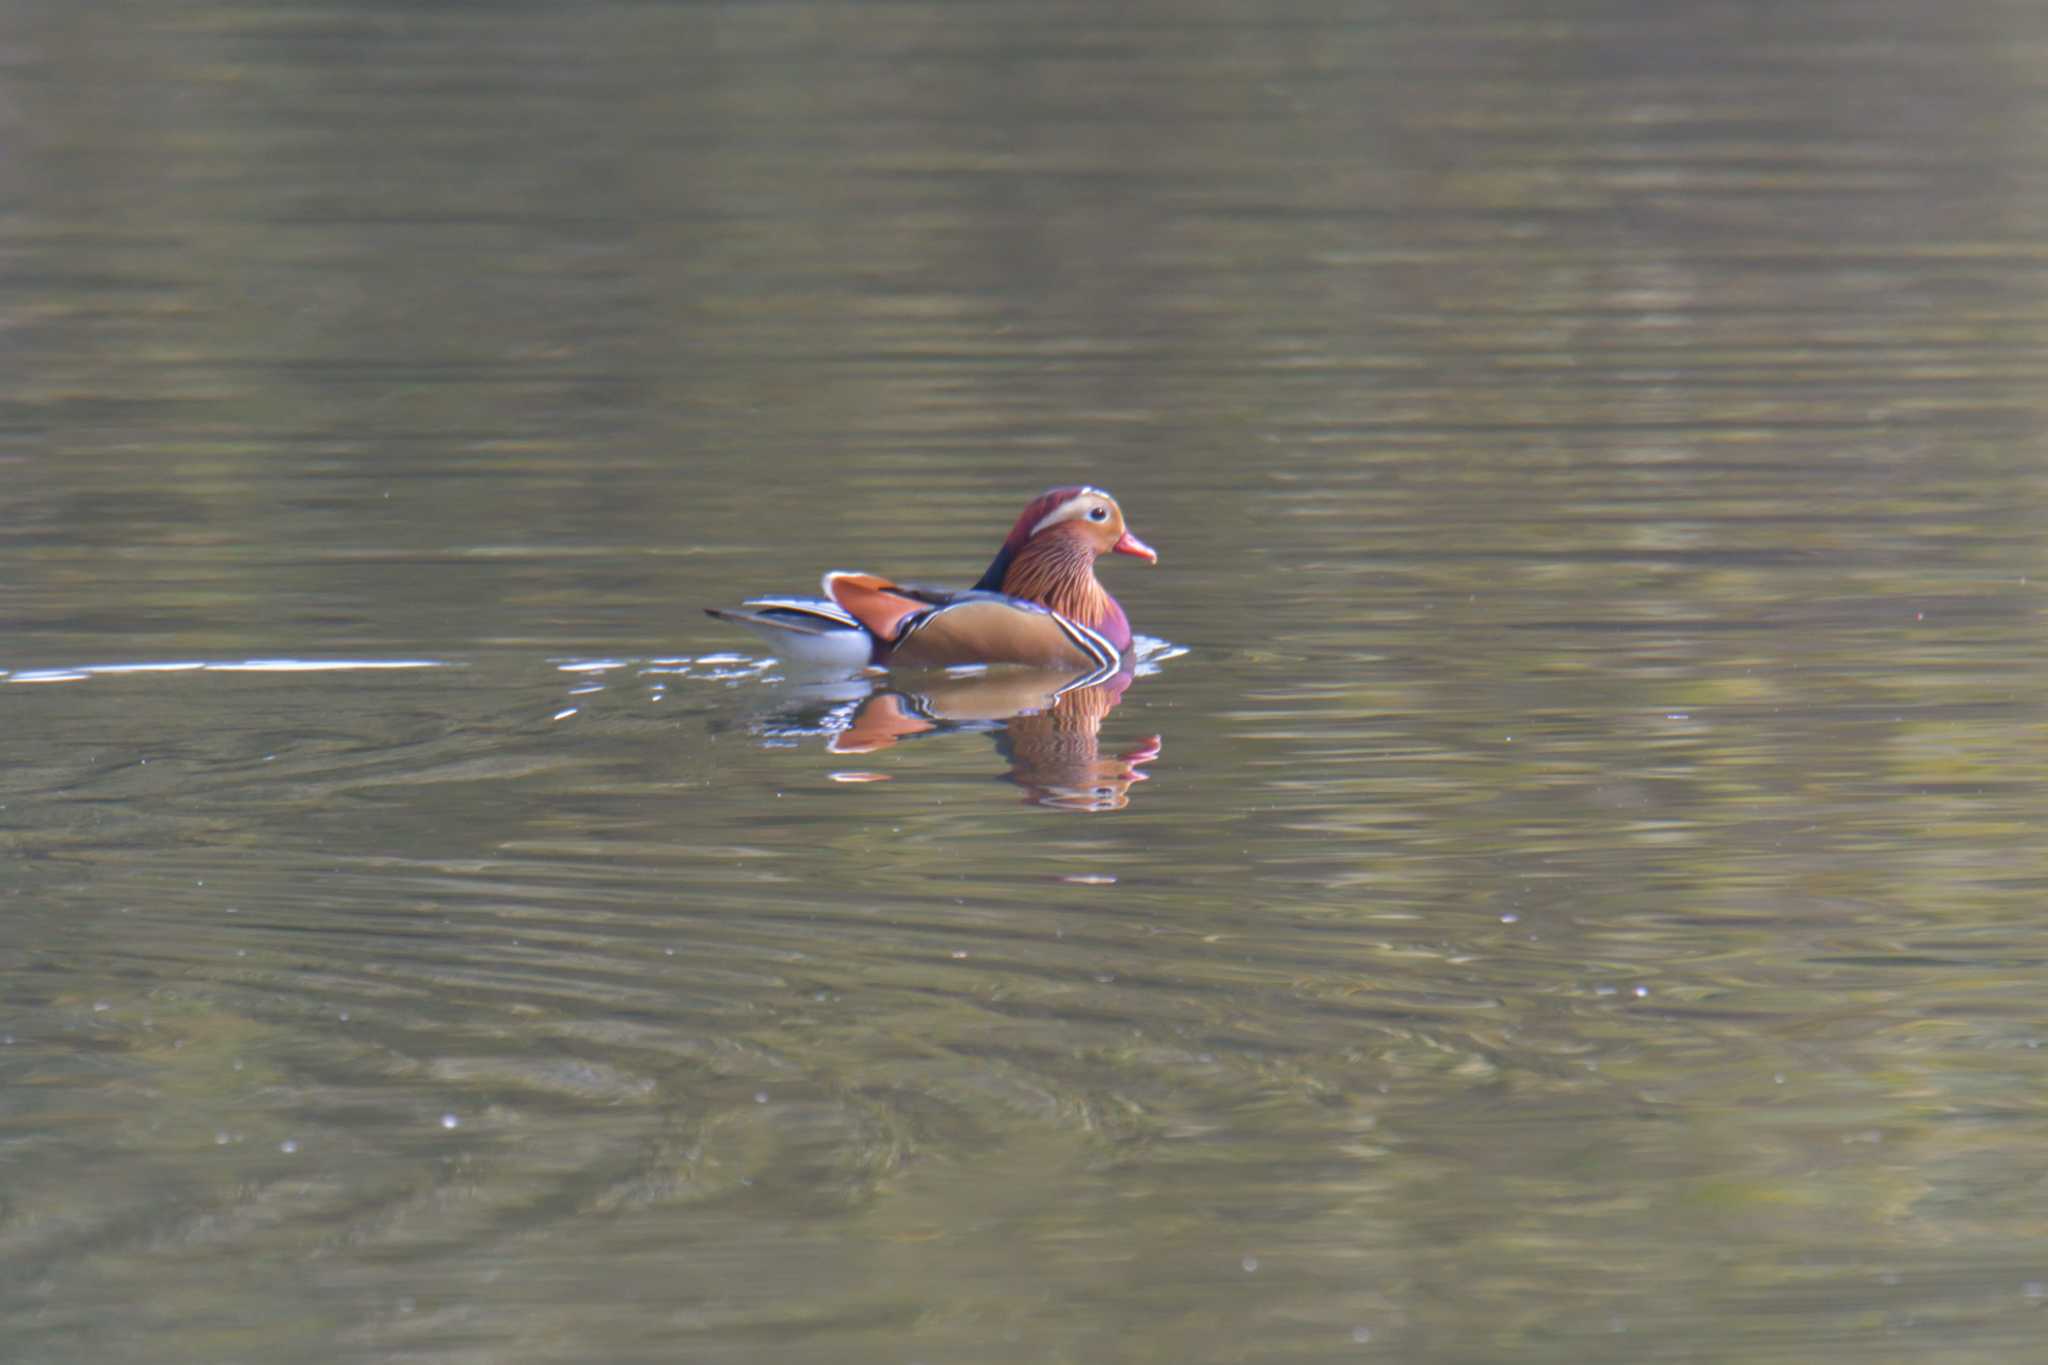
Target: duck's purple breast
x: 1114, y: 627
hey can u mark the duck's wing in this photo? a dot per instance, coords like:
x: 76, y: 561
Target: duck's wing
x: 928, y: 627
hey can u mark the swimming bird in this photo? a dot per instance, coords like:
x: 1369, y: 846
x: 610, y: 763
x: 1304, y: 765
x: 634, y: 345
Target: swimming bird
x: 1039, y: 603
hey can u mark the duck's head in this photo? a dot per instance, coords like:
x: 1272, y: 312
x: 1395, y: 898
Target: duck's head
x: 1086, y: 513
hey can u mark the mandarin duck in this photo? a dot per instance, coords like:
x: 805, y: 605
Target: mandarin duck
x: 1038, y: 604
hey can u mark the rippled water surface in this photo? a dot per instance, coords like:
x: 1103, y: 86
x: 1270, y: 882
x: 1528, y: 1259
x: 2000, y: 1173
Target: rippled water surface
x: 1566, y: 883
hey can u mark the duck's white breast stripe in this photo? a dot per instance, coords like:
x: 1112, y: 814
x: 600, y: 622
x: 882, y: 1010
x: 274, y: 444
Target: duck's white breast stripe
x: 1091, y: 642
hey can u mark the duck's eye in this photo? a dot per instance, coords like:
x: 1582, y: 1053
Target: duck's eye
x: 1098, y: 514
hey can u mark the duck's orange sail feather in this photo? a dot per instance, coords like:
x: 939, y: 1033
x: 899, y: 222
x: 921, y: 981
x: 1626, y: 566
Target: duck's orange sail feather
x: 874, y: 601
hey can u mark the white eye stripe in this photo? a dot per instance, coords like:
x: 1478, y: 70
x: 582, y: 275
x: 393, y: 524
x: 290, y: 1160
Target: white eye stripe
x: 1066, y: 511
x: 1073, y: 507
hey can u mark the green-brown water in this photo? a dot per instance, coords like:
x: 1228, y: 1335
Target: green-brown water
x: 1568, y: 889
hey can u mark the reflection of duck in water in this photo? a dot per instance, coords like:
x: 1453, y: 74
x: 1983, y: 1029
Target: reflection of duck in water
x: 1055, y: 755
x: 1039, y: 603
x: 1050, y: 724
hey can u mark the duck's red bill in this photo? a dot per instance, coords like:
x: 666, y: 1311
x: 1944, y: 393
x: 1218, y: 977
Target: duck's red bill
x: 1128, y: 544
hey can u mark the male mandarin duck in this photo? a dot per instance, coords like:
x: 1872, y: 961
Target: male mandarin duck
x: 1038, y: 604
